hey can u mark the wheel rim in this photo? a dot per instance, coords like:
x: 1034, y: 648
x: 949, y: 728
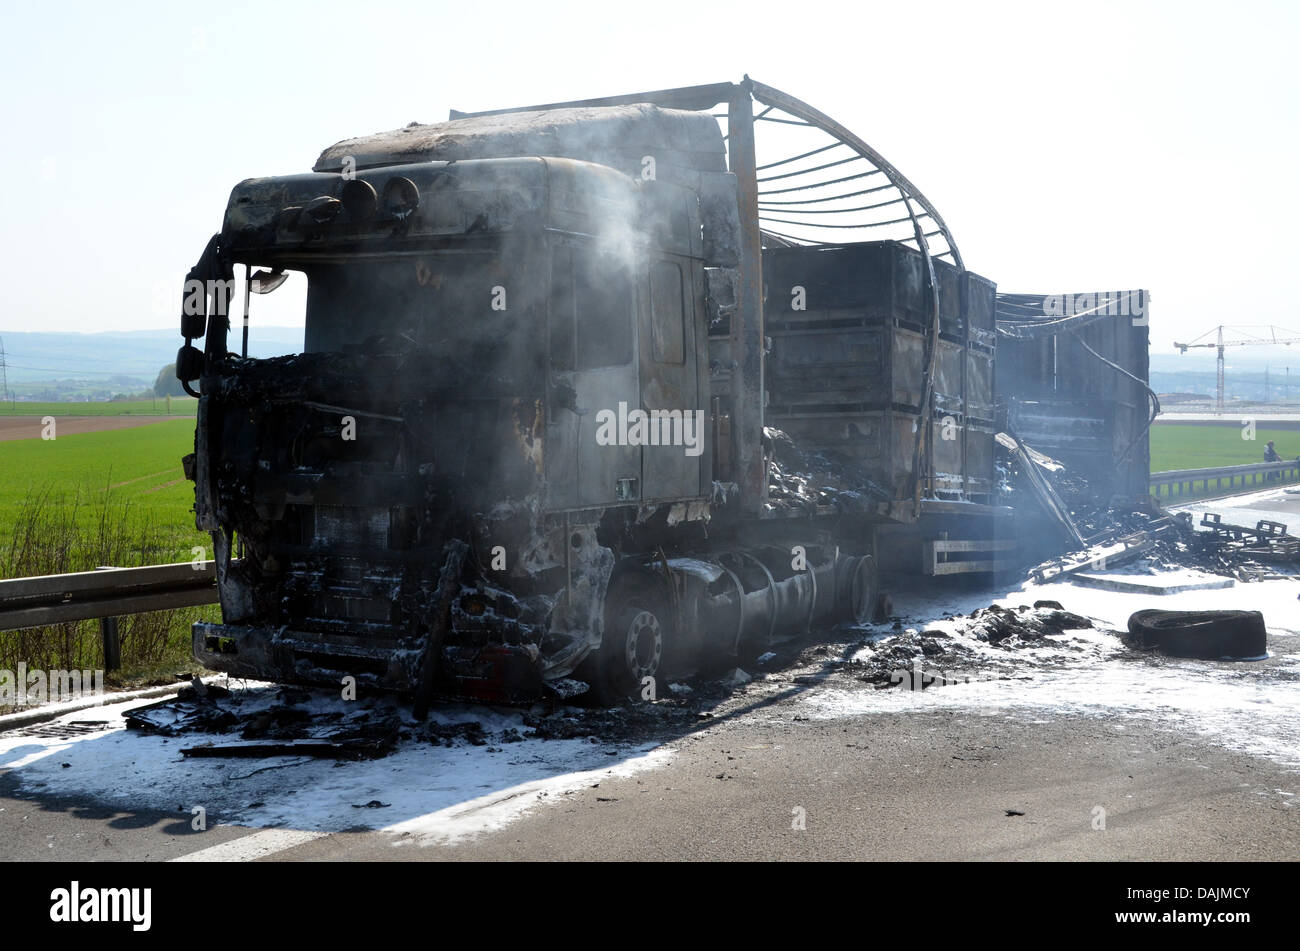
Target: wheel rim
x: 644, y: 645
x: 862, y: 590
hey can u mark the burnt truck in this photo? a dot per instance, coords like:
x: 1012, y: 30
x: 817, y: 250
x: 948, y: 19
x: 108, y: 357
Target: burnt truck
x: 588, y: 393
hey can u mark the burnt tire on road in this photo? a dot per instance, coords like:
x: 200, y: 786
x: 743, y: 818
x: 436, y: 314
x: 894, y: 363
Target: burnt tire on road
x: 1209, y: 635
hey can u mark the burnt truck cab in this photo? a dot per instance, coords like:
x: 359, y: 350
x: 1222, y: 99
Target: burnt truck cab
x: 477, y: 334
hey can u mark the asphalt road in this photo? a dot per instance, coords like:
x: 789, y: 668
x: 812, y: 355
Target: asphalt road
x: 929, y: 786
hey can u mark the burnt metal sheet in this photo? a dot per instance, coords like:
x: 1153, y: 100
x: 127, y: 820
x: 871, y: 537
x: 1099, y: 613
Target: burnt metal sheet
x: 1072, y: 373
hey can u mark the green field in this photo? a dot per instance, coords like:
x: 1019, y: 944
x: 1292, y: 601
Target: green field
x: 179, y: 406
x: 1184, y: 446
x: 131, y: 475
x: 135, y: 474
x: 111, y: 498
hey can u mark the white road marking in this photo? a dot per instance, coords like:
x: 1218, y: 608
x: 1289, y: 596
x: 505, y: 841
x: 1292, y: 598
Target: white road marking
x: 250, y: 847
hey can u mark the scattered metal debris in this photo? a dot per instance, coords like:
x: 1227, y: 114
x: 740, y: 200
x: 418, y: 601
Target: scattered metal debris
x: 175, y: 716
x: 1267, y: 542
x: 285, y: 727
x: 996, y: 624
x: 320, y: 749
x: 1118, y: 537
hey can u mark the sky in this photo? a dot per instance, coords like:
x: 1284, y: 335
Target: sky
x: 1068, y: 148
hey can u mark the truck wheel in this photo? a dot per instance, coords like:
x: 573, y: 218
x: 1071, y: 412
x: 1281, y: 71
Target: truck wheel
x: 864, y: 591
x: 637, y: 630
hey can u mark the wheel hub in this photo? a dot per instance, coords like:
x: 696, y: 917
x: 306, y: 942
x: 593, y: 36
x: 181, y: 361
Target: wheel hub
x: 644, y: 646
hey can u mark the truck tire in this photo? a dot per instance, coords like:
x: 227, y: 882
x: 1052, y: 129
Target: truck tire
x: 638, y: 627
x: 1202, y: 634
x: 864, y: 592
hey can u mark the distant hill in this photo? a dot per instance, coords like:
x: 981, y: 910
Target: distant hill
x: 117, y: 357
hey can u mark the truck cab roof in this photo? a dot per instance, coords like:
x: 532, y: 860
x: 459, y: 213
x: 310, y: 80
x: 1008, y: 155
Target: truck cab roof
x: 384, y: 208
x: 681, y: 142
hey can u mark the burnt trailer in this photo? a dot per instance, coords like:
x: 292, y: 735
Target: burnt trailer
x: 588, y: 392
x: 1073, y: 374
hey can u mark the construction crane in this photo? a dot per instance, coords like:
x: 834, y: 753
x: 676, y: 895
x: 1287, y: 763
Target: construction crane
x: 1251, y: 336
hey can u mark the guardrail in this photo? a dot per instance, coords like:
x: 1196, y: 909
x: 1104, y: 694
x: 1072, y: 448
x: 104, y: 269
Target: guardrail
x: 1179, y: 483
x: 105, y: 595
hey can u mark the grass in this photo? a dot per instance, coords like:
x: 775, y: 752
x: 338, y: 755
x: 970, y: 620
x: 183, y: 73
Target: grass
x: 1185, y: 446
x: 179, y: 406
x: 139, y: 468
x: 112, y: 498
x: 1178, y: 446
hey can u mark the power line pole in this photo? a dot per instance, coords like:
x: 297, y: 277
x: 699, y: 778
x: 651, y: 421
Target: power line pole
x: 4, y: 373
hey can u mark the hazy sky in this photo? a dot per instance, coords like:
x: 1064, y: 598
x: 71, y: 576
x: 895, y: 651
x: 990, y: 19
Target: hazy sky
x: 1099, y: 146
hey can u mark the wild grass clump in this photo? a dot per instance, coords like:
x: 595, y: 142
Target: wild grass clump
x: 55, y: 531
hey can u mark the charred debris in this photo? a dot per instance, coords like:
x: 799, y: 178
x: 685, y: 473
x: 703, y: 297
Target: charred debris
x: 590, y: 394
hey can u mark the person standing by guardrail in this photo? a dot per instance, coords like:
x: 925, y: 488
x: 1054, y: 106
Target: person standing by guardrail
x: 1270, y: 455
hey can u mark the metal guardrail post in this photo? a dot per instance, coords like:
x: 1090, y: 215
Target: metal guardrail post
x: 108, y: 633
x: 112, y: 645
